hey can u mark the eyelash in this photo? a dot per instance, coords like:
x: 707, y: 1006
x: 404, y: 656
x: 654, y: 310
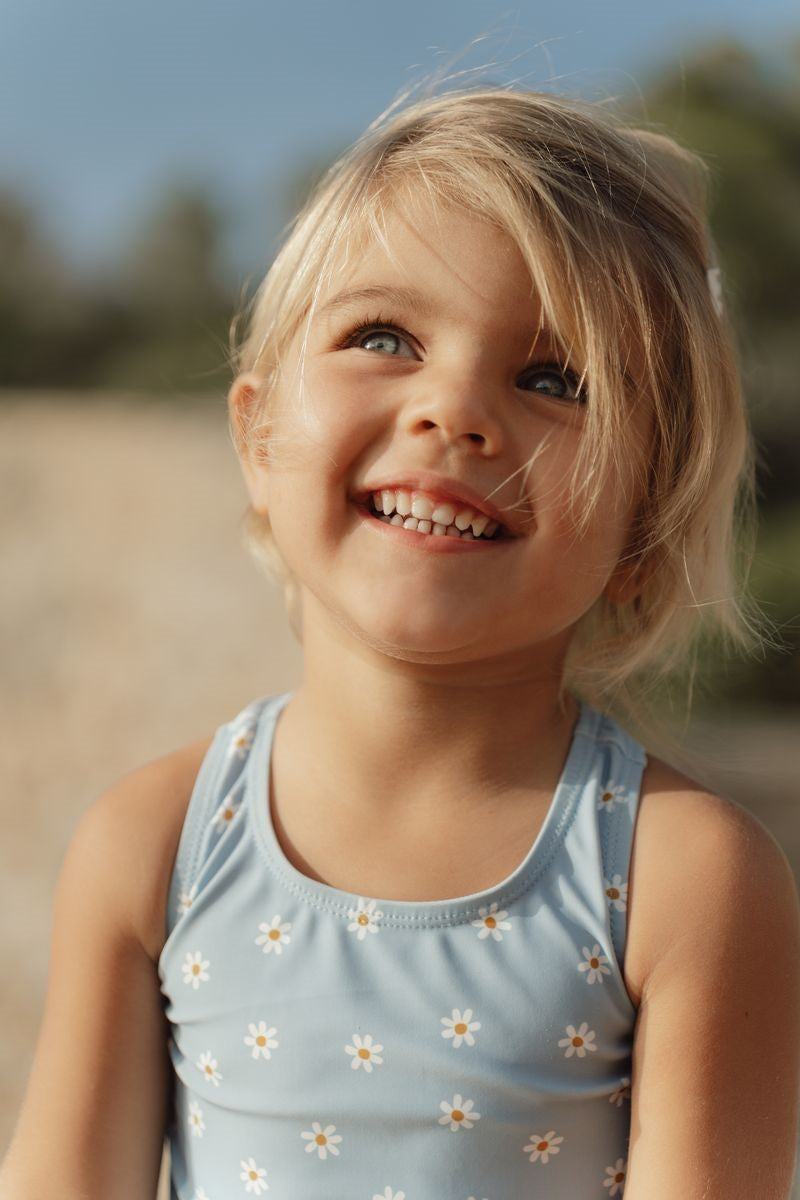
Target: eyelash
x: 379, y: 324
x: 373, y: 325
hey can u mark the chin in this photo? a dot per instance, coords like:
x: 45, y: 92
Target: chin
x: 411, y: 640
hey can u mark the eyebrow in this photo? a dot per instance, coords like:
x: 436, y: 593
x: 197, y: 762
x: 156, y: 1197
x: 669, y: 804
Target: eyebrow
x: 409, y: 297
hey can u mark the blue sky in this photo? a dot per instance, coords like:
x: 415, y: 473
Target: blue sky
x: 104, y: 103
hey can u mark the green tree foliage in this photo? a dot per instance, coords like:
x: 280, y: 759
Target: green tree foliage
x: 156, y: 322
x: 40, y: 305
x: 170, y: 281
x: 743, y: 116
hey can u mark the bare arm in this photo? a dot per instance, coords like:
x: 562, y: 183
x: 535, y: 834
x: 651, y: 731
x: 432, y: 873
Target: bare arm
x: 717, y: 1045
x: 93, y: 1120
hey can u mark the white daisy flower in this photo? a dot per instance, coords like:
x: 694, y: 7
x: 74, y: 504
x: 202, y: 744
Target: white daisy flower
x: 541, y: 1147
x: 621, y: 1093
x: 595, y: 964
x: 195, y: 969
x: 364, y: 1053
x: 461, y: 1027
x: 364, y: 918
x: 196, y: 1122
x: 208, y: 1066
x: 254, y: 1176
x: 578, y: 1041
x: 615, y: 1177
x: 612, y: 794
x: 224, y: 814
x: 274, y: 936
x: 388, y: 1194
x: 459, y: 1114
x: 186, y: 899
x: 322, y: 1140
x: 491, y: 922
x: 617, y: 892
x: 241, y: 743
x: 261, y: 1039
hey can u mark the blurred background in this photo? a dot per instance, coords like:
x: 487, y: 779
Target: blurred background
x: 151, y: 156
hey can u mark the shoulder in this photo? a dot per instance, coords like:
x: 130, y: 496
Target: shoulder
x: 714, y: 962
x: 137, y: 822
x: 702, y: 868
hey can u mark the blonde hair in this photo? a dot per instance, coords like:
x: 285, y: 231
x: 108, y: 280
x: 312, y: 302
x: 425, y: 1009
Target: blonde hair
x: 611, y: 221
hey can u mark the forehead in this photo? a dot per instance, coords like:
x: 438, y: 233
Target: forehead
x: 435, y: 258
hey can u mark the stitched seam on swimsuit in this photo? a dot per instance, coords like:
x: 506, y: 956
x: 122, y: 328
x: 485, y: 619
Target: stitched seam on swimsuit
x: 204, y: 793
x: 442, y: 919
x: 611, y: 839
x: 628, y: 747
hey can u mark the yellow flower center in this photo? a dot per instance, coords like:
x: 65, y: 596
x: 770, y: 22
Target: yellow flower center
x: 577, y: 1041
x: 227, y: 814
x: 594, y: 962
x: 195, y: 968
x: 274, y: 934
x: 613, y: 893
x: 457, y: 1114
x: 460, y: 1027
x: 491, y: 922
x: 252, y: 1174
x: 363, y: 919
x: 618, y: 1178
x: 320, y: 1139
x: 363, y: 1053
x: 607, y: 796
x: 542, y: 1145
x: 261, y: 1040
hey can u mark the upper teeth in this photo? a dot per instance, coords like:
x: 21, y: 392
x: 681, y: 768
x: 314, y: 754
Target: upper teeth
x: 441, y: 512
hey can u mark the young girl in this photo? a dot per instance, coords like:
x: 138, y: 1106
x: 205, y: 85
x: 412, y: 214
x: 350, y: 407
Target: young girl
x: 433, y: 926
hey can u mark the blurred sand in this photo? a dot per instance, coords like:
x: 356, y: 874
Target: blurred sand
x: 132, y: 621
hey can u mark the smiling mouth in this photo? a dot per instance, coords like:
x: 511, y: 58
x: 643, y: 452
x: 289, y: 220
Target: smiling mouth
x: 491, y: 532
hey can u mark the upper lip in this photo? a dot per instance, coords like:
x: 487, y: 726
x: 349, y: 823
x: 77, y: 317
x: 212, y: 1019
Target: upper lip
x: 439, y: 487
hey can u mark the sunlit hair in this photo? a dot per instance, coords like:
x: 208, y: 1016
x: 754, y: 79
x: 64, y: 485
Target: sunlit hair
x: 611, y: 221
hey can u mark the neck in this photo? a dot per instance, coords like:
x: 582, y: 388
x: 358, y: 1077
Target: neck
x: 401, y: 737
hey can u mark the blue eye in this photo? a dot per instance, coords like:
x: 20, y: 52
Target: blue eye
x: 554, y: 382
x: 384, y: 340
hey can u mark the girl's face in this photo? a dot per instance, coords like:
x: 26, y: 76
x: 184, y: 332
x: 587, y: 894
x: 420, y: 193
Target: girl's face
x: 424, y: 373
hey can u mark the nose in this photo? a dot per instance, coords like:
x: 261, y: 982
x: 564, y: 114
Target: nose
x: 460, y: 406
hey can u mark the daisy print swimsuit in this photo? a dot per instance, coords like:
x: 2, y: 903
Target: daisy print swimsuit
x: 329, y: 1046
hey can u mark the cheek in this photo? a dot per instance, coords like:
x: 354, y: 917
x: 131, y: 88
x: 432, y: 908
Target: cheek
x: 315, y: 433
x: 337, y: 400
x: 591, y: 539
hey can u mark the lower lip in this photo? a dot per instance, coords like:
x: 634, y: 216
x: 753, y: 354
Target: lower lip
x: 432, y: 542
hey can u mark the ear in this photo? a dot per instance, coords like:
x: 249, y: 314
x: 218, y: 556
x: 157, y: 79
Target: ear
x: 244, y: 404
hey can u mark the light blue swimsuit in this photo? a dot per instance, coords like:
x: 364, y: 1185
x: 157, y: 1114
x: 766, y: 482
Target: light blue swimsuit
x: 329, y: 1046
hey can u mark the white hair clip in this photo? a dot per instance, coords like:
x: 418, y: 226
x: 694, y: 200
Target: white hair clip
x: 714, y: 277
